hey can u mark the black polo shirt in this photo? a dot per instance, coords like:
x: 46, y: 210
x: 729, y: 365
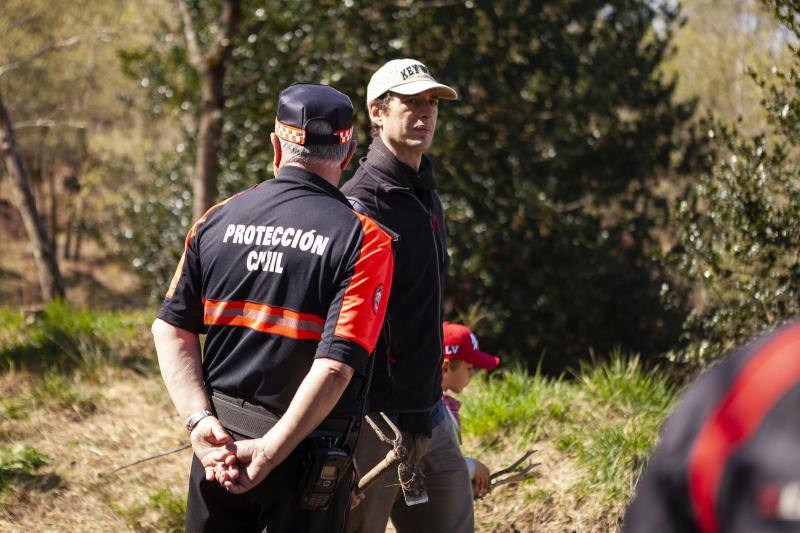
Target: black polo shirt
x: 277, y: 276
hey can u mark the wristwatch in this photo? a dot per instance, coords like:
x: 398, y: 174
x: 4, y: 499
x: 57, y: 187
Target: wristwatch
x: 193, y: 420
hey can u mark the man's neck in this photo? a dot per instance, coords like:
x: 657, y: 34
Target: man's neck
x: 330, y: 174
x: 411, y: 158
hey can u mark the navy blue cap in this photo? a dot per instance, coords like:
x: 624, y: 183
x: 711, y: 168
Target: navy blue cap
x: 301, y: 102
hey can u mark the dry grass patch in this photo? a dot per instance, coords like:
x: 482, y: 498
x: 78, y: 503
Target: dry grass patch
x: 135, y: 420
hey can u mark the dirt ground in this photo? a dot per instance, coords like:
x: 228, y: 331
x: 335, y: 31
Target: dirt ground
x: 129, y: 417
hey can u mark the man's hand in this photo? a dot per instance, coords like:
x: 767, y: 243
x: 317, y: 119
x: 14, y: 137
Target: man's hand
x: 254, y: 464
x: 214, y: 447
x: 480, y: 482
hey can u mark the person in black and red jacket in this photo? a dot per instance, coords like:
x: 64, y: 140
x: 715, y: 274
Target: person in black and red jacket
x: 395, y: 184
x: 727, y: 460
x: 290, y: 287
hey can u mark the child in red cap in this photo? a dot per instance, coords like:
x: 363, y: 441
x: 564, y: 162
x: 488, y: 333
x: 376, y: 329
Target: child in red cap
x: 461, y: 358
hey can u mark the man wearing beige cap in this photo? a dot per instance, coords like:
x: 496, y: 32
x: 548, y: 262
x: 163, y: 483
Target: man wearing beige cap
x: 395, y: 185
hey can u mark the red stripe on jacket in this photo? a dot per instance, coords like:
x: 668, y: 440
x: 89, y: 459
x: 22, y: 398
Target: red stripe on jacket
x: 364, y: 302
x: 764, y: 380
x: 261, y: 317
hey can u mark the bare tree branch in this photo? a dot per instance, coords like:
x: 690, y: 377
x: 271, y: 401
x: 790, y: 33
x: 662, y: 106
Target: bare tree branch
x: 192, y: 45
x: 72, y: 41
x: 408, y: 4
x: 224, y: 39
x: 48, y: 123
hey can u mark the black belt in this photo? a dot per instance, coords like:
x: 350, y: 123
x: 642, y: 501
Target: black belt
x: 240, y: 416
x: 253, y: 420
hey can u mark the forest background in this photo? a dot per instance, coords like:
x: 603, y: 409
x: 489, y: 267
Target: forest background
x: 619, y: 176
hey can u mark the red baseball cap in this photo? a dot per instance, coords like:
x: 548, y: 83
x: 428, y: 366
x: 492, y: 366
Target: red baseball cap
x: 461, y: 344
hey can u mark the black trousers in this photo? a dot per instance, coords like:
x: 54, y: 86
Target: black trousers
x: 273, y: 506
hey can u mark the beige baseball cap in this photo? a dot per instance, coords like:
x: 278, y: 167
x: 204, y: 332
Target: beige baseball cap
x: 406, y: 76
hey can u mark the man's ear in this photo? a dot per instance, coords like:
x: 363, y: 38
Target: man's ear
x: 351, y: 150
x: 276, y: 148
x: 375, y: 113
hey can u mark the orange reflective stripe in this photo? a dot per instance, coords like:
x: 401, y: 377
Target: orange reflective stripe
x: 364, y: 302
x: 261, y: 317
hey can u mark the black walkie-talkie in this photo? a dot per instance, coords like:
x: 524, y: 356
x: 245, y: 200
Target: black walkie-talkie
x: 326, y: 469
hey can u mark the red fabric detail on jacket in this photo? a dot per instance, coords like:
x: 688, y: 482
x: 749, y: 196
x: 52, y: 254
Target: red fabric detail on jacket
x: 764, y: 380
x: 369, y: 285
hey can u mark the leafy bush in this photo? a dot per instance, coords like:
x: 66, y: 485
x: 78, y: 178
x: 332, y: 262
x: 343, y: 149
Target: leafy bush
x: 739, y: 225
x: 18, y: 462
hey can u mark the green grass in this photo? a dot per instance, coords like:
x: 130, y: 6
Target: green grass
x: 513, y: 401
x: 625, y: 386
x: 164, y: 510
x: 61, y: 349
x: 18, y: 463
x: 614, y: 438
x: 53, y: 390
x: 62, y: 338
x: 606, y: 419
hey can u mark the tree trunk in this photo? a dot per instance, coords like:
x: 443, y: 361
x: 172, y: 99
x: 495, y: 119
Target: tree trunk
x: 209, y: 134
x: 78, y: 220
x: 212, y: 67
x: 46, y: 264
x: 53, y: 207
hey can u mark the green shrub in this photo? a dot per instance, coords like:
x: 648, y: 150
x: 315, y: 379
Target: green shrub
x: 19, y: 462
x: 739, y: 224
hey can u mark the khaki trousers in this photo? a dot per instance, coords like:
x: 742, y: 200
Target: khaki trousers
x: 450, y: 505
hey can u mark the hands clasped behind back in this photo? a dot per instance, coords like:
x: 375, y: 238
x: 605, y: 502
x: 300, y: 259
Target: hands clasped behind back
x: 236, y: 465
x: 213, y: 446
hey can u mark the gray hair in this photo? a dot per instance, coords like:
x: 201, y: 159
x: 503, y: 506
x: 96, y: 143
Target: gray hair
x: 315, y: 154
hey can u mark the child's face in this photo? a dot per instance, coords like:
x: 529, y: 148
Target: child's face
x: 456, y: 375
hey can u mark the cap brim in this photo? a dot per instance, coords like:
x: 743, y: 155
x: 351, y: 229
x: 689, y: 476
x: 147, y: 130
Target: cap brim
x: 483, y: 360
x: 415, y: 87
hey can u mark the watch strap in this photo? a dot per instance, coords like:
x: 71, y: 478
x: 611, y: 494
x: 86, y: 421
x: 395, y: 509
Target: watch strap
x: 193, y: 420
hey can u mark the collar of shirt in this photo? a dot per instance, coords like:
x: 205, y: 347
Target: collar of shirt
x: 454, y: 406
x: 309, y: 179
x: 398, y: 172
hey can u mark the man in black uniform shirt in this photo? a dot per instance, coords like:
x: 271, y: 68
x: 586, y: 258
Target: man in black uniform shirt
x: 289, y: 285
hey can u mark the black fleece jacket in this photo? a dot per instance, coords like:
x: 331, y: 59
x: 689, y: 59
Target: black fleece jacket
x: 408, y: 371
